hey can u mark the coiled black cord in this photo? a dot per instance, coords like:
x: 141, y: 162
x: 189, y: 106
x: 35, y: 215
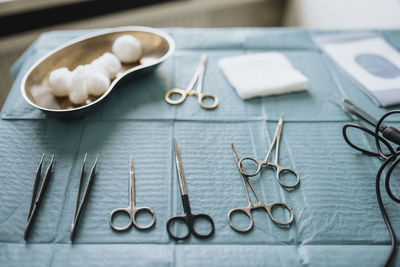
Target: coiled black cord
x: 391, y: 157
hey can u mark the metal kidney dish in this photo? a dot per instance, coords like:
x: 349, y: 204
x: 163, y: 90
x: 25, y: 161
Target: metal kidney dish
x: 157, y: 47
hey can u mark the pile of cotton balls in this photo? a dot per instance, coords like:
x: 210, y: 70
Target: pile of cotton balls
x: 94, y: 78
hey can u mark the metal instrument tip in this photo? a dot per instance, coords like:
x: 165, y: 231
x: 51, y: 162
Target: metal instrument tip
x: 132, y: 169
x: 71, y: 234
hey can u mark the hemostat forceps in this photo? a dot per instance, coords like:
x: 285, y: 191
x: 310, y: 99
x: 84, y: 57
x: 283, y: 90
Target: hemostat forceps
x: 247, y: 210
x: 197, y: 77
x: 249, y: 166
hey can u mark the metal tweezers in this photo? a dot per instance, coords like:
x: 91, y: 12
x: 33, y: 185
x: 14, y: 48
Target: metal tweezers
x: 79, y: 204
x: 36, y: 198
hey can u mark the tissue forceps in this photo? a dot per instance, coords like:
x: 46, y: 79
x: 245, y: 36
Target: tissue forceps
x: 132, y: 210
x: 197, y: 77
x: 256, y: 165
x: 37, y: 198
x: 188, y: 218
x: 247, y: 210
x: 79, y: 205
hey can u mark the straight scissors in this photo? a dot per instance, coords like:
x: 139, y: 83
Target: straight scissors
x: 197, y: 77
x: 250, y: 166
x: 188, y: 218
x: 247, y: 211
x: 132, y: 210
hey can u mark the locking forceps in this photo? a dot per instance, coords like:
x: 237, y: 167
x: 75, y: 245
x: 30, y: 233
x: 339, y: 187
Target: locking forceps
x: 249, y: 166
x: 197, y: 77
x: 247, y: 210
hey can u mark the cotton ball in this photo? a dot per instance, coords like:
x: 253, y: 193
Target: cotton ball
x: 96, y: 66
x: 127, y: 48
x: 60, y: 82
x: 110, y: 63
x: 97, y: 82
x: 78, y: 93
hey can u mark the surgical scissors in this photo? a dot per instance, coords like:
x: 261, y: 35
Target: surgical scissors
x: 197, y: 77
x: 256, y: 165
x: 247, y: 210
x: 132, y: 210
x: 188, y: 218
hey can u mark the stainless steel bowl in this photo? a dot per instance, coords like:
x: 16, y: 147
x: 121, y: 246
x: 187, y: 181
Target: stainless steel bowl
x: 157, y: 47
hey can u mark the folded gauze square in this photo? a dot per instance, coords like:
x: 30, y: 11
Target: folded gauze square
x: 262, y: 74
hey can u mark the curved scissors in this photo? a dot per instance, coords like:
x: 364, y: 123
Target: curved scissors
x: 132, y: 210
x: 197, y: 77
x: 249, y: 161
x: 247, y: 210
x: 188, y: 218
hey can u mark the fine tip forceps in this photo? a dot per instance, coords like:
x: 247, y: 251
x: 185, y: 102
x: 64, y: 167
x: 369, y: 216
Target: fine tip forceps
x: 132, y: 210
x: 35, y: 200
x: 188, y: 218
x: 80, y: 202
x: 249, y: 166
x: 247, y: 210
x: 197, y: 77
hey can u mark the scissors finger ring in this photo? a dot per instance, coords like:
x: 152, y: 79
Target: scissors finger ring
x: 247, y: 212
x: 291, y: 172
x: 175, y: 91
x: 214, y: 98
x: 140, y: 210
x: 120, y: 211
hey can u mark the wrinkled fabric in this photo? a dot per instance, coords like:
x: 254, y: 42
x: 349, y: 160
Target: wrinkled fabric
x: 337, y: 219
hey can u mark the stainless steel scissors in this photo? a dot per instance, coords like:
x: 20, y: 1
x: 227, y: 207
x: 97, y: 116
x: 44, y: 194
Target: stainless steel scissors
x: 197, y: 77
x: 249, y: 166
x: 188, y: 218
x: 247, y: 210
x: 132, y: 210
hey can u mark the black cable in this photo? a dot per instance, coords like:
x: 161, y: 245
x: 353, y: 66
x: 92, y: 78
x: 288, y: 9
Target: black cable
x: 382, y: 208
x: 392, y: 157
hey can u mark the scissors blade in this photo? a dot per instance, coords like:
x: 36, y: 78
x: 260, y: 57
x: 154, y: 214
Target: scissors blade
x: 179, y: 168
x: 132, y: 170
x: 132, y: 184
